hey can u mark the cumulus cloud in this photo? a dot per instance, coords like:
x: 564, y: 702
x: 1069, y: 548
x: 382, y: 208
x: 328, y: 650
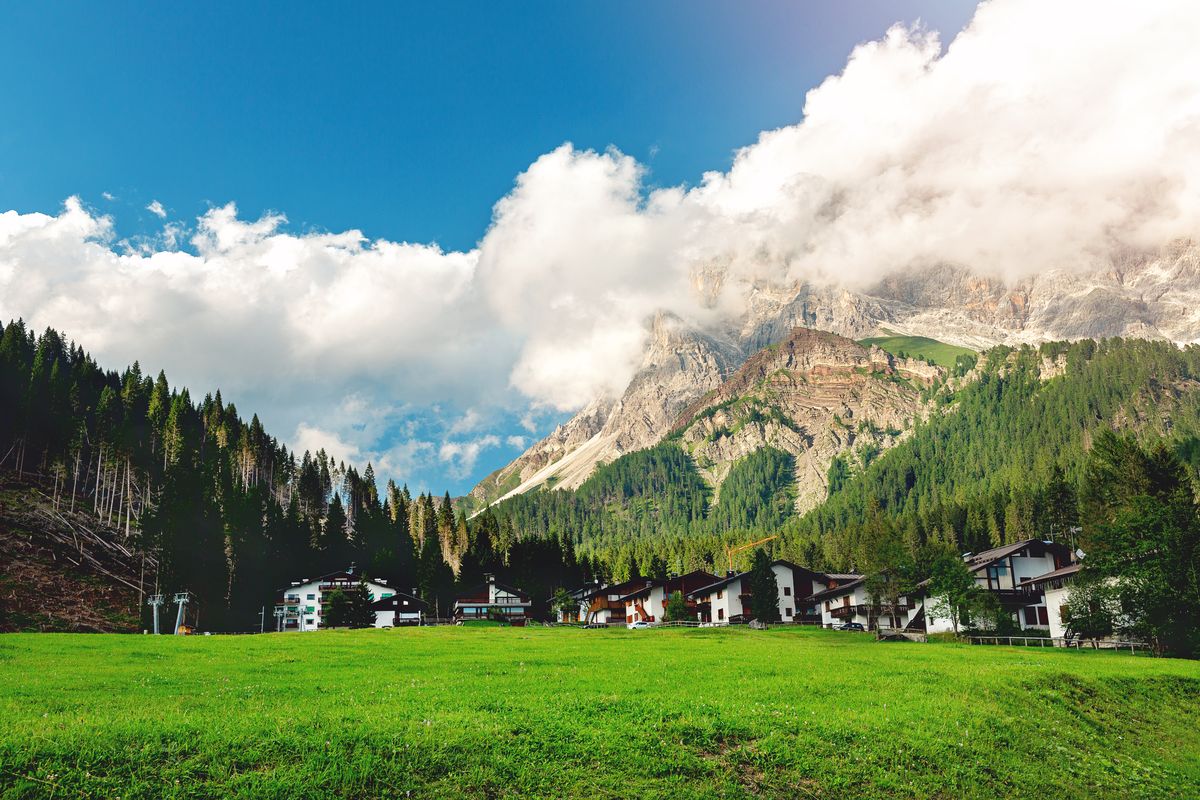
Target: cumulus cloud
x: 156, y: 208
x: 461, y: 456
x: 1046, y: 135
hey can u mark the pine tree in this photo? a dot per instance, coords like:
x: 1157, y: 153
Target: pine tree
x: 764, y: 588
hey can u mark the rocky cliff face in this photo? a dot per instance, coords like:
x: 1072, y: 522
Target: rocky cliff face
x: 1154, y: 295
x: 1147, y: 296
x: 814, y: 395
x: 679, y: 365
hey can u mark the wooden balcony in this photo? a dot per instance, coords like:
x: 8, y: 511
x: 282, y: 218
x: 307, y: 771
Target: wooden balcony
x: 870, y: 611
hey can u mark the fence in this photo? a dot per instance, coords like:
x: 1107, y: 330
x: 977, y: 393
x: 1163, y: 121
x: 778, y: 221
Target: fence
x: 1059, y: 641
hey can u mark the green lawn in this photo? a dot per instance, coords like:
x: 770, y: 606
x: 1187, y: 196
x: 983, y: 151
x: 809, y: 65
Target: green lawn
x: 499, y: 712
x: 939, y: 353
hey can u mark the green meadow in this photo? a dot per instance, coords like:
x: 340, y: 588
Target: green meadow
x: 939, y: 353
x: 536, y: 712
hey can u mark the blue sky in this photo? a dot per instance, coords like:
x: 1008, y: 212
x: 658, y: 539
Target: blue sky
x: 405, y: 122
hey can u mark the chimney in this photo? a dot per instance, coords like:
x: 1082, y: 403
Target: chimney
x: 414, y: 592
x: 729, y: 573
x: 489, y: 578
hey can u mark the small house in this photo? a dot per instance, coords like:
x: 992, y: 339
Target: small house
x: 394, y: 610
x: 300, y: 605
x: 492, y: 599
x: 648, y: 602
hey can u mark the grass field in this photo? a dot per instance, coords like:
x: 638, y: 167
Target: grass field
x: 498, y: 712
x: 939, y: 353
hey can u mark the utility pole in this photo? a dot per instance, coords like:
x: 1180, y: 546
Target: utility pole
x: 154, y: 602
x: 262, y: 620
x: 182, y: 599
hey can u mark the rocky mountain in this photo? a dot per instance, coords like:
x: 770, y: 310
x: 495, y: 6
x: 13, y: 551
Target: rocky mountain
x: 1140, y: 295
x: 678, y: 367
x: 814, y: 395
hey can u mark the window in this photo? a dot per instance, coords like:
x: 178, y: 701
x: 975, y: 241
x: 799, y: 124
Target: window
x: 309, y: 609
x: 386, y: 595
x: 1043, y: 615
x: 720, y: 613
x: 787, y: 591
x: 310, y: 597
x: 720, y: 595
x: 787, y: 612
x: 1031, y: 615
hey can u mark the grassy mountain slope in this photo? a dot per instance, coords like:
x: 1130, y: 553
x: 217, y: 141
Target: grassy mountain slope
x: 919, y: 347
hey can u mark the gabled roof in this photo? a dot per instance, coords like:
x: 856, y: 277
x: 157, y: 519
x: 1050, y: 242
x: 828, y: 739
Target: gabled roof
x: 1064, y: 572
x: 396, y: 602
x: 712, y: 587
x: 353, y: 573
x: 852, y: 583
x: 978, y: 561
x: 779, y: 562
x: 682, y: 583
x: 619, y: 589
x: 584, y: 591
x: 840, y: 576
x: 480, y: 593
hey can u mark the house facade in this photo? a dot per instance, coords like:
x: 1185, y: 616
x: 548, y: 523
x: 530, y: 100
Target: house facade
x: 1009, y: 574
x: 848, y: 600
x: 398, y: 609
x: 728, y: 600
x: 300, y: 606
x: 648, y: 603
x: 577, y: 613
x: 1056, y: 590
x: 604, y: 605
x: 492, y: 598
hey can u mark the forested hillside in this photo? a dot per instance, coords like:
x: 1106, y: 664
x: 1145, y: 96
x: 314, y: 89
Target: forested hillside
x: 229, y: 513
x: 224, y: 509
x: 999, y: 458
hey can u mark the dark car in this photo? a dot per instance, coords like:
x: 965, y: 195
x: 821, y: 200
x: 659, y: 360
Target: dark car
x: 850, y: 626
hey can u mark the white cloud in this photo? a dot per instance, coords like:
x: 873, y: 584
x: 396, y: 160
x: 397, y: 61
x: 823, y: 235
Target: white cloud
x: 156, y: 208
x: 519, y: 442
x: 109, y: 196
x: 1047, y: 134
x: 311, y: 438
x: 461, y: 456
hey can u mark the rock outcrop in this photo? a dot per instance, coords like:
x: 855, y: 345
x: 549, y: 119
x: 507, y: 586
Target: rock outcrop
x: 814, y: 395
x: 1149, y: 295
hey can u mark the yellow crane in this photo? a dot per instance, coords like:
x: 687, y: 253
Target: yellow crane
x: 748, y: 546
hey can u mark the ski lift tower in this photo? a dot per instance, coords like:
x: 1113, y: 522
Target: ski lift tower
x: 279, y: 612
x: 182, y: 599
x: 154, y: 602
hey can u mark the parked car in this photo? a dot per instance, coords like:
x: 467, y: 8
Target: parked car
x: 641, y: 623
x: 850, y: 626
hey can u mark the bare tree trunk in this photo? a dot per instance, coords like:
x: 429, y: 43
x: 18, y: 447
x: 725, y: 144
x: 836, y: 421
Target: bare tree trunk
x: 96, y: 494
x: 128, y: 498
x: 75, y: 482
